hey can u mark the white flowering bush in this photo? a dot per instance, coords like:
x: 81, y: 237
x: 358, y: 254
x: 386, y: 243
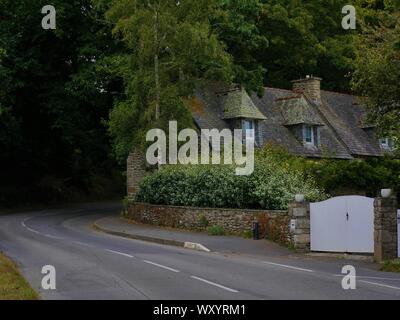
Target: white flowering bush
x: 271, y: 186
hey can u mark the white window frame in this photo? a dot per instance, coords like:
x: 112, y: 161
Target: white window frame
x: 312, y: 142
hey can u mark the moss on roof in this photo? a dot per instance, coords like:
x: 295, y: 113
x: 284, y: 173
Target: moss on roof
x: 299, y: 111
x: 238, y: 104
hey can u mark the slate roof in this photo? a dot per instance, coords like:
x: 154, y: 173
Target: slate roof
x: 238, y: 104
x: 297, y: 110
x: 338, y: 117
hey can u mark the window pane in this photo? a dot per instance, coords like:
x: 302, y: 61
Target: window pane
x: 308, y: 134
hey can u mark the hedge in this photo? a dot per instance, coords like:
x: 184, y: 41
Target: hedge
x: 269, y: 187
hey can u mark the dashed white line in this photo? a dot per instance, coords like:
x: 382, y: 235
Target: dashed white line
x: 82, y: 244
x: 289, y: 267
x: 120, y: 253
x: 380, y: 284
x: 53, y: 237
x: 160, y: 266
x: 214, y: 284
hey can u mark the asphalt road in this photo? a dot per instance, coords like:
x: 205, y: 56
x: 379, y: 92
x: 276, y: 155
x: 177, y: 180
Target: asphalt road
x: 92, y: 265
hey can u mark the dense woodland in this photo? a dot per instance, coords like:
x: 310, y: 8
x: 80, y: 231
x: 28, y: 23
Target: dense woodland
x: 73, y: 101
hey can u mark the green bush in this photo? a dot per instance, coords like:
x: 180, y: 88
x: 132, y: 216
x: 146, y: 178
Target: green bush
x: 215, y: 230
x: 271, y: 186
x: 368, y: 175
x: 335, y: 177
x: 391, y: 266
x: 277, y: 177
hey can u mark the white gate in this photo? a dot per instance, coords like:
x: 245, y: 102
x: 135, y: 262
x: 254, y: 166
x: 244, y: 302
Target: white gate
x: 343, y: 224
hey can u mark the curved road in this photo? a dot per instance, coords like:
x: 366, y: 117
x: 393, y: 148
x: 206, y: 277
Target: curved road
x: 92, y: 265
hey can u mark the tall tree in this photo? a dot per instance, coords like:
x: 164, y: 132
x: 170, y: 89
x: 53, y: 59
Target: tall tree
x: 52, y: 100
x: 377, y: 74
x: 171, y: 47
x: 237, y: 23
x: 306, y: 37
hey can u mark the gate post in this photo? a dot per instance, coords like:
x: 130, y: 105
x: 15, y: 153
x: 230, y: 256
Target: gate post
x: 299, y: 213
x: 135, y: 171
x: 385, y: 228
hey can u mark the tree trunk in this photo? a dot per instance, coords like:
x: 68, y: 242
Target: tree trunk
x: 156, y: 64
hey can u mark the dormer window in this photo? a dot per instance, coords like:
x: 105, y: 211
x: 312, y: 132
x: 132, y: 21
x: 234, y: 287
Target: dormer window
x: 386, y: 143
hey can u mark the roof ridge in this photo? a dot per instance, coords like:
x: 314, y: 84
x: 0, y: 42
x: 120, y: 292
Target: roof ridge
x: 328, y: 91
x: 340, y: 93
x: 280, y: 89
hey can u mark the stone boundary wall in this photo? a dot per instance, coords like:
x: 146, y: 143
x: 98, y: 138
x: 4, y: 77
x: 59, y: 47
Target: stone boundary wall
x: 274, y: 225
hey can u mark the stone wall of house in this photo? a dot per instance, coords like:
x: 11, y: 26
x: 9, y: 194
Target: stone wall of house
x: 273, y: 224
x: 135, y: 171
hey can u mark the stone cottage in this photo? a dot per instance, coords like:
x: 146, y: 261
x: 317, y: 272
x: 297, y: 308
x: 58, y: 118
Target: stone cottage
x: 306, y: 121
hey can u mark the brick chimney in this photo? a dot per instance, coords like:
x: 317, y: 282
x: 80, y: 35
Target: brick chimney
x: 310, y: 86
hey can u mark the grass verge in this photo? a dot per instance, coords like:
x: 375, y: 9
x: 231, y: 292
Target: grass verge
x: 12, y: 285
x: 391, y: 266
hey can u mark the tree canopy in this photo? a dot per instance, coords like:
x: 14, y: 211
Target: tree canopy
x: 377, y: 76
x: 73, y: 98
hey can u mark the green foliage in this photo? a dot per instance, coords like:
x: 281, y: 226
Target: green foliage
x: 343, y: 176
x: 378, y: 71
x: 391, y: 266
x: 369, y: 175
x: 215, y: 230
x: 237, y: 23
x: 306, y: 37
x: 52, y: 101
x: 57, y: 88
x: 170, y: 48
x: 247, y: 234
x: 271, y: 186
x: 277, y: 177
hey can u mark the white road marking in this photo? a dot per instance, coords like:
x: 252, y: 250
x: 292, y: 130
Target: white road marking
x: 120, y: 253
x: 37, y: 232
x: 289, y: 267
x: 26, y: 227
x: 52, y: 237
x: 380, y: 284
x: 214, y: 284
x: 82, y: 244
x: 160, y: 265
